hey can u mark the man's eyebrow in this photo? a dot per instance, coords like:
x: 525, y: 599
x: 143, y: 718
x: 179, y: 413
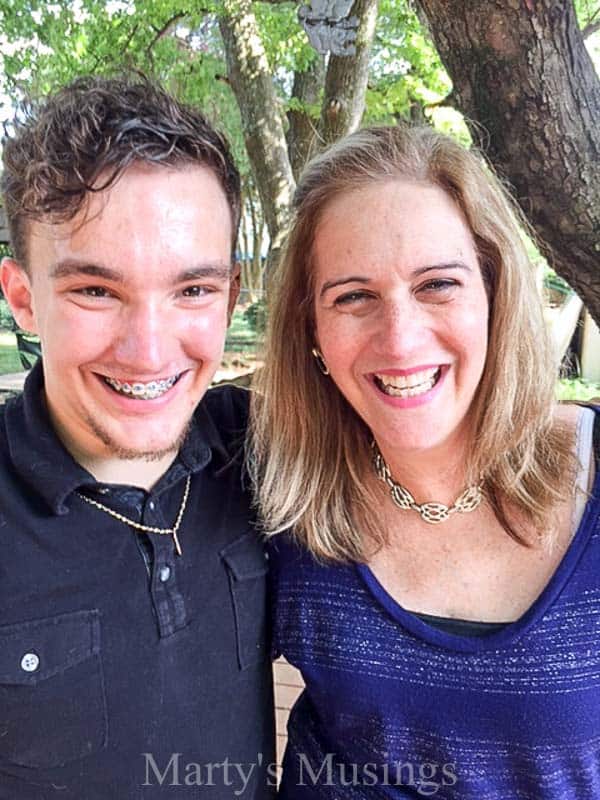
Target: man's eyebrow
x: 70, y: 267
x: 218, y: 271
x: 364, y: 279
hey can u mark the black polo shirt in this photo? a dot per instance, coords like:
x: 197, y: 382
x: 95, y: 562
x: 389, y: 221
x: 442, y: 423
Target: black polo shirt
x: 125, y: 670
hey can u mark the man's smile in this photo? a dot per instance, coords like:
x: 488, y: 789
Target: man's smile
x: 140, y: 390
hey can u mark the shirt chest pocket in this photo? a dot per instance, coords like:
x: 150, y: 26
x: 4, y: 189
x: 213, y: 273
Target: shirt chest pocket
x: 246, y: 564
x: 52, y: 701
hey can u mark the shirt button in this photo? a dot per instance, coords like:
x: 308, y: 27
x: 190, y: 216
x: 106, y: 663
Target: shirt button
x: 151, y: 505
x: 164, y: 574
x: 30, y: 662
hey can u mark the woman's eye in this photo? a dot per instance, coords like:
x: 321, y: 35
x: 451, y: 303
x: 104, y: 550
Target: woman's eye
x: 352, y: 298
x: 438, y: 285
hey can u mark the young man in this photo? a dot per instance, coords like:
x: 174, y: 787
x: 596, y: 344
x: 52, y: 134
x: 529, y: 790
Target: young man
x: 133, y: 660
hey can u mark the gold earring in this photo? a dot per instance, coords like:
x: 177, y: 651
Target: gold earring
x: 320, y: 361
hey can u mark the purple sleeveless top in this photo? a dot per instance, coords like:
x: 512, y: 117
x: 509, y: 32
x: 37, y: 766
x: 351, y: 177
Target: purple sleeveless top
x: 397, y: 708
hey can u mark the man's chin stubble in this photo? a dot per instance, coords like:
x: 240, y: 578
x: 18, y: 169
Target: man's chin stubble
x: 127, y: 454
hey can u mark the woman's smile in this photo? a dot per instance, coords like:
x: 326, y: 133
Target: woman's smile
x: 401, y: 312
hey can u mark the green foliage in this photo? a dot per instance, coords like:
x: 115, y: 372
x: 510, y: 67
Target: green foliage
x: 6, y: 318
x: 46, y: 45
x: 587, y: 11
x: 241, y: 336
x: 286, y: 44
x: 555, y: 283
x: 9, y: 356
x: 577, y: 389
x: 406, y: 72
x: 256, y: 317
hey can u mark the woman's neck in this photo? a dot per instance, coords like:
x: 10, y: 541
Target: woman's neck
x: 433, y: 475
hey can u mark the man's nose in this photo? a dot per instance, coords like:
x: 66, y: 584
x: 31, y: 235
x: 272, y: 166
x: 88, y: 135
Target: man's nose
x: 142, y: 340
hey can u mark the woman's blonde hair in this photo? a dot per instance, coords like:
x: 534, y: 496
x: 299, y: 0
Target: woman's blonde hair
x: 309, y: 451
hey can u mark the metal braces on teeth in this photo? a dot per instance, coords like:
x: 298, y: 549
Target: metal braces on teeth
x: 143, y: 391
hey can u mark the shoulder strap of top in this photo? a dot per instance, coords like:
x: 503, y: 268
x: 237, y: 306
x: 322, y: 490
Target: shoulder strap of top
x: 596, y: 437
x: 587, y: 454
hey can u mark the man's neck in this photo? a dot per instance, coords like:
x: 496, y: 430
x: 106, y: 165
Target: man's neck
x: 106, y: 466
x: 134, y: 472
x: 109, y: 468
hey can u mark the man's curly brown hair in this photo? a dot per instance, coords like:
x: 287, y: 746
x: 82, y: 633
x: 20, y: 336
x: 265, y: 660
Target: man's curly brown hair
x: 82, y: 138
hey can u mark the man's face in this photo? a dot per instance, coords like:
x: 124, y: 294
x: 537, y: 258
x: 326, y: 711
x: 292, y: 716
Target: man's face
x: 131, y: 308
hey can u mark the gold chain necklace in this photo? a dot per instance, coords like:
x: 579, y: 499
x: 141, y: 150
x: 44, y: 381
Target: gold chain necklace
x: 433, y: 513
x: 147, y: 528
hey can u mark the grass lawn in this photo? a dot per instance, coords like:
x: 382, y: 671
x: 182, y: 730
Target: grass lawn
x: 240, y: 336
x: 9, y: 357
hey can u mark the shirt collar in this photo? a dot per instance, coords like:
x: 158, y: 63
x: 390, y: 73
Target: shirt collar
x: 43, y: 462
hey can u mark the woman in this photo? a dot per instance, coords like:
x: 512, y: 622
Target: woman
x: 440, y: 593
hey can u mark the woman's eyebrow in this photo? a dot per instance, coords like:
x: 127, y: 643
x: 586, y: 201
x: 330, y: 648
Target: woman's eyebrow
x: 415, y: 273
x: 443, y: 265
x: 340, y: 281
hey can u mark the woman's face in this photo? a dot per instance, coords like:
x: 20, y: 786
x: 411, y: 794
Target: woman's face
x: 401, y: 313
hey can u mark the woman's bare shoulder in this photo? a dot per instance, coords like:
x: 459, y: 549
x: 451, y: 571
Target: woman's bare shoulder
x: 567, y: 415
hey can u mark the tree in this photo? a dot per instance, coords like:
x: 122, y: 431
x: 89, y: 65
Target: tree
x: 519, y: 69
x: 531, y: 96
x: 262, y: 118
x: 180, y: 43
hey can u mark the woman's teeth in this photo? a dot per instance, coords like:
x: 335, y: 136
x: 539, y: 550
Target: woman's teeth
x: 408, y: 385
x: 142, y: 391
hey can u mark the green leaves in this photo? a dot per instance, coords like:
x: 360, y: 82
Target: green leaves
x: 47, y: 44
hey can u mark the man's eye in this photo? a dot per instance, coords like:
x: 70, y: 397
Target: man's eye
x: 94, y: 291
x: 196, y: 291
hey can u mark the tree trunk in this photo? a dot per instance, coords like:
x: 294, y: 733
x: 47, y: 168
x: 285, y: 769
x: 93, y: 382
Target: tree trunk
x: 521, y: 70
x: 252, y: 84
x: 346, y: 80
x: 258, y: 232
x: 302, y: 126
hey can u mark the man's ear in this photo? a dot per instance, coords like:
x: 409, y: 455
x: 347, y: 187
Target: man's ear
x: 16, y: 286
x: 234, y: 291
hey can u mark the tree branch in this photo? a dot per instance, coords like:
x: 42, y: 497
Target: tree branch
x: 132, y: 33
x: 166, y: 28
x: 346, y: 79
x: 591, y: 28
x: 592, y: 25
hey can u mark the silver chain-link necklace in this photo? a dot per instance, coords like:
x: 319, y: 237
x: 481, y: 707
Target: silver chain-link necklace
x: 433, y: 513
x: 147, y: 528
